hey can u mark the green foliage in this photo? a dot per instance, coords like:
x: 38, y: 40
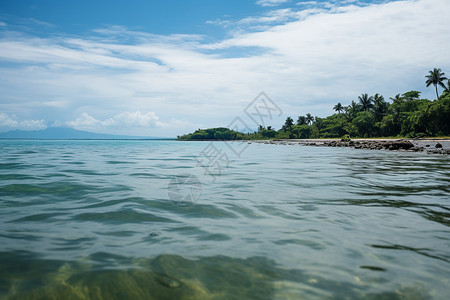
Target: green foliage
x: 352, y: 110
x: 345, y: 138
x: 268, y: 133
x: 283, y: 135
x: 220, y: 133
x: 364, y: 124
x: 432, y: 117
x: 309, y: 119
x: 447, y: 88
x: 366, y: 102
x: 332, y: 126
x: 338, y: 107
x: 301, y: 131
x: 411, y: 95
x: 407, y: 115
x: 288, y: 124
x: 388, y: 126
x: 436, y: 77
x: 380, y: 107
x: 301, y: 120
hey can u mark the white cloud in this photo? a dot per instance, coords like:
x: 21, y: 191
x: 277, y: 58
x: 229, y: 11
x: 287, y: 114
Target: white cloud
x: 124, y: 121
x: 270, y: 2
x: 305, y: 60
x: 85, y: 121
x: 32, y: 125
x: 274, y: 16
x: 3, y: 24
x: 133, y: 119
x: 128, y: 123
x: 8, y: 123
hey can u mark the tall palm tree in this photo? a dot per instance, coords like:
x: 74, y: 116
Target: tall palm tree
x: 288, y: 124
x: 436, y: 77
x: 447, y: 88
x: 301, y: 120
x: 377, y: 98
x: 353, y: 109
x: 396, y: 98
x: 309, y: 118
x: 365, y: 101
x: 338, y: 107
x: 380, y: 107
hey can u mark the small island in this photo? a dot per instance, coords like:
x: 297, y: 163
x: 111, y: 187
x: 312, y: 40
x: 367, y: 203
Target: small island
x: 406, y: 116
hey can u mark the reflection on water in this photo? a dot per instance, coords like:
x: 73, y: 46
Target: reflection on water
x: 92, y: 220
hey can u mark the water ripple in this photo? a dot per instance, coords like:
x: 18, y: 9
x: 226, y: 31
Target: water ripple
x: 281, y: 222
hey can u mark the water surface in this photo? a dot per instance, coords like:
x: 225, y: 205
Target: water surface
x: 93, y: 220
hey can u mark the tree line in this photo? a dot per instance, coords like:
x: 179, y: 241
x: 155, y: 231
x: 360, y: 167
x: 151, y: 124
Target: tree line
x: 408, y: 115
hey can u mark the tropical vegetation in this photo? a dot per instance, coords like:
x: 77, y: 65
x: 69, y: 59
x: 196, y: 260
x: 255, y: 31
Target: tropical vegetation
x: 405, y: 115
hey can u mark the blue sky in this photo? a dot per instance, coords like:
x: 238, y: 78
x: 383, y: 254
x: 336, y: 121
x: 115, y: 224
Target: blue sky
x: 159, y: 17
x: 163, y: 68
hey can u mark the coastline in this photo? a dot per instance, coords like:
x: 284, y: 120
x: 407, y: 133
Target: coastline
x: 428, y: 146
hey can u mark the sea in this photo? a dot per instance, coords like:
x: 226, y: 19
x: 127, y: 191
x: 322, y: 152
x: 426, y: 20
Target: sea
x: 149, y: 219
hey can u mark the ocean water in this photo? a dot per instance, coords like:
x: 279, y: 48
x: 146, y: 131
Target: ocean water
x: 195, y: 220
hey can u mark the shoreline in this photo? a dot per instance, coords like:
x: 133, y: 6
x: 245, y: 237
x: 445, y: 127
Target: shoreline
x: 428, y: 146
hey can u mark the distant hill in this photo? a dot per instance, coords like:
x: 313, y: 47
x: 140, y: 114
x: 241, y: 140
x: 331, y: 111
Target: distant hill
x: 62, y: 133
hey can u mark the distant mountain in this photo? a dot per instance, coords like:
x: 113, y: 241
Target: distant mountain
x: 62, y: 133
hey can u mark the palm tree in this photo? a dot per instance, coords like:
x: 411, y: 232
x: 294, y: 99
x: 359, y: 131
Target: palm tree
x: 353, y: 109
x: 447, y: 88
x: 396, y: 98
x: 309, y: 118
x: 379, y: 106
x: 288, y: 124
x: 365, y: 101
x: 301, y: 120
x: 436, y: 77
x: 338, y: 107
x: 377, y: 98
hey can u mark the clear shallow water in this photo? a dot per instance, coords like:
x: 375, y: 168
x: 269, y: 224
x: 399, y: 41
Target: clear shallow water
x: 93, y: 220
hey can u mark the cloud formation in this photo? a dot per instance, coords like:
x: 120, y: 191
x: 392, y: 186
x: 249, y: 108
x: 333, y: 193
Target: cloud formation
x: 119, y: 122
x: 305, y: 59
x: 270, y: 3
x: 11, y: 123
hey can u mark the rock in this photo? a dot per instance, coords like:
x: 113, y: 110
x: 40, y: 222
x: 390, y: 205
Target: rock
x: 436, y: 151
x: 438, y: 145
x: 167, y: 281
x: 397, y: 145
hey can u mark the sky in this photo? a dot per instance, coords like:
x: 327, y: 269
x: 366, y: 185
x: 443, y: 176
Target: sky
x: 166, y: 68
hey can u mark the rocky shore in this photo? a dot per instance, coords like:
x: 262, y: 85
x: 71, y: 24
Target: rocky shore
x: 426, y: 146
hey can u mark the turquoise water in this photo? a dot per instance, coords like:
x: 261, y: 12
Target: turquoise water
x: 94, y: 220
